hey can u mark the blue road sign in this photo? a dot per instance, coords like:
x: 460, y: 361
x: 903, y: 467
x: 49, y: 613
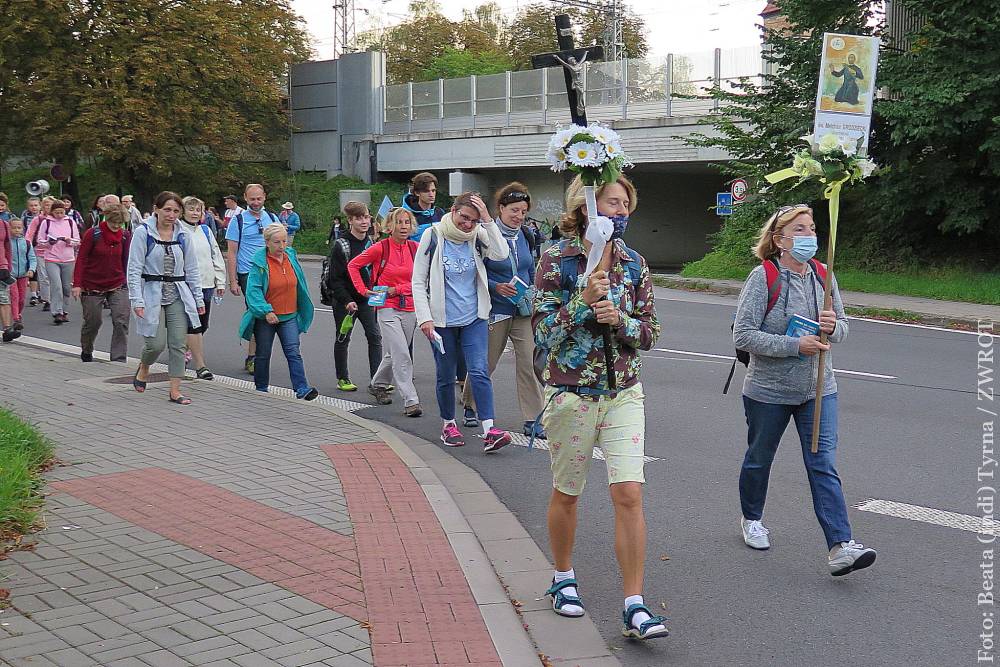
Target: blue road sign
x: 724, y: 203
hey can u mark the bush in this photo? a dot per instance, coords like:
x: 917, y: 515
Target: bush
x: 23, y: 454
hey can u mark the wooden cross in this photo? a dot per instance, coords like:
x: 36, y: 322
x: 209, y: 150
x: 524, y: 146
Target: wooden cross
x: 572, y: 61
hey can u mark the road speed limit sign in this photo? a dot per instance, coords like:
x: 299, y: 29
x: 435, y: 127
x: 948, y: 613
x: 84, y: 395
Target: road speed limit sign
x: 739, y: 189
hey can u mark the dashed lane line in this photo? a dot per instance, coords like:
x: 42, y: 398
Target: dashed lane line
x: 972, y: 524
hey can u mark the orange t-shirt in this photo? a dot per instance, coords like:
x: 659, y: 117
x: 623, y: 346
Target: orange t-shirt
x: 282, y: 286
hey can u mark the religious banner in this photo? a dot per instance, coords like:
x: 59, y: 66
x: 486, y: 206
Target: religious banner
x: 835, y: 153
x: 846, y: 89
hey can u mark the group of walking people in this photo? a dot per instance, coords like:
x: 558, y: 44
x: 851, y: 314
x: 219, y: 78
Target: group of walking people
x: 469, y: 282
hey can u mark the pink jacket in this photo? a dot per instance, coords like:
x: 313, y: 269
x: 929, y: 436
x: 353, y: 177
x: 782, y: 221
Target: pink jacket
x: 61, y: 251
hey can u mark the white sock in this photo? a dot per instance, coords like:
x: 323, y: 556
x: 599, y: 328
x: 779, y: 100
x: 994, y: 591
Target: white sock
x: 448, y: 422
x: 568, y: 591
x: 639, y: 617
x: 487, y: 425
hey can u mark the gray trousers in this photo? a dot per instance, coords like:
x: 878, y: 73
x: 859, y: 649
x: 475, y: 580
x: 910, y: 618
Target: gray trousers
x: 93, y: 316
x: 397, y: 329
x: 172, y: 334
x: 60, y: 284
x: 42, y: 277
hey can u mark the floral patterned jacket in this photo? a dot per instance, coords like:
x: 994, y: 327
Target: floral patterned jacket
x: 568, y: 328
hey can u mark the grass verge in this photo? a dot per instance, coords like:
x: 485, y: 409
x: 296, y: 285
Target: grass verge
x: 947, y: 283
x: 24, y: 454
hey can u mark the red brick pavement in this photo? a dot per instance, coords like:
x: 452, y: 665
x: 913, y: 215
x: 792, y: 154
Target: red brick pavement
x: 419, y: 603
x: 290, y: 552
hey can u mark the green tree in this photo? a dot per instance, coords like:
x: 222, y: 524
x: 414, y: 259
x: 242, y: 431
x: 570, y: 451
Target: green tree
x: 454, y: 64
x: 411, y: 46
x: 536, y: 33
x: 939, y: 128
x: 936, y: 131
x: 761, y: 122
x: 159, y: 92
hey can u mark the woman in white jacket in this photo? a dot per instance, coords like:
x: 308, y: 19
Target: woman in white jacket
x: 452, y: 302
x: 212, y: 269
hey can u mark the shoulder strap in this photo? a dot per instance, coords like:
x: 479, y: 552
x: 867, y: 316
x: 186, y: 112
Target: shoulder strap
x: 239, y: 226
x: 345, y: 247
x: 384, y: 243
x: 96, y: 233
x: 208, y: 237
x: 569, y: 270
x: 432, y: 244
x: 820, y: 270
x: 772, y: 274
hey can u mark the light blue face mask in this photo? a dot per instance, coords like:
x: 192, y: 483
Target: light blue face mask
x: 803, y: 247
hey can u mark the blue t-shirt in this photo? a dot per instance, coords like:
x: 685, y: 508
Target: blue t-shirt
x: 461, y: 301
x: 253, y: 236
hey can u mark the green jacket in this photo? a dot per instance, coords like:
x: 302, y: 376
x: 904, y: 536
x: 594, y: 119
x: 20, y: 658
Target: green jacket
x: 257, y: 305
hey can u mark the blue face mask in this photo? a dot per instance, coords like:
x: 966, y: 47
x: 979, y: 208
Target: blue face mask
x: 621, y: 224
x: 804, y: 248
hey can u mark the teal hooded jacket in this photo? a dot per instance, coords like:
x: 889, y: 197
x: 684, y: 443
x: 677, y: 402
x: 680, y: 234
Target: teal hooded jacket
x: 257, y: 283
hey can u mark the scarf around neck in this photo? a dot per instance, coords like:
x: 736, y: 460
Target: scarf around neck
x: 509, y: 233
x: 452, y: 233
x: 110, y: 237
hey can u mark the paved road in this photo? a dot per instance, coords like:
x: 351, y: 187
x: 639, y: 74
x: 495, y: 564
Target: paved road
x: 912, y: 436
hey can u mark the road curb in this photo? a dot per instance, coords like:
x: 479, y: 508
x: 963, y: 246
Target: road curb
x: 520, y: 635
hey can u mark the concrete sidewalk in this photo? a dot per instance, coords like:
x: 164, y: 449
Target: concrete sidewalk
x: 932, y: 311
x: 253, y: 529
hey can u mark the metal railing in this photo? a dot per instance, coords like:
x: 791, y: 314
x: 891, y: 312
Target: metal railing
x: 678, y: 85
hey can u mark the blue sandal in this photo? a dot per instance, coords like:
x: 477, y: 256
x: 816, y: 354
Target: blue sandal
x: 560, y: 599
x: 645, y: 630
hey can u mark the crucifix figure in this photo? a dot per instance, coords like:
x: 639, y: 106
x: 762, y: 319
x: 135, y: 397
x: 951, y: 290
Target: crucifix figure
x: 575, y: 69
x: 572, y: 61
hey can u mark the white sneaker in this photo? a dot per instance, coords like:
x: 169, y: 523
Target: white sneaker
x: 756, y: 535
x: 850, y: 556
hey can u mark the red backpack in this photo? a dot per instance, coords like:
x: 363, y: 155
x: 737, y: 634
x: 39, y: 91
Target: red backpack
x: 772, y: 272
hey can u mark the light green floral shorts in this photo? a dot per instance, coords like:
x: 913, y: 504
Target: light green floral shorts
x: 576, y: 425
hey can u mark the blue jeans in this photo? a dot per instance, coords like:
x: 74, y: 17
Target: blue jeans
x: 470, y: 342
x: 766, y: 422
x: 288, y: 334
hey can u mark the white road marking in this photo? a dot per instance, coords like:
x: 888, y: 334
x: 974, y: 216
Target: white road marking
x: 912, y: 326
x: 730, y: 358
x: 973, y: 524
x: 521, y: 440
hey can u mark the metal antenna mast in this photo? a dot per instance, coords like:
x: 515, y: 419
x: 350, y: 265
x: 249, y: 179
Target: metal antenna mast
x: 343, y: 27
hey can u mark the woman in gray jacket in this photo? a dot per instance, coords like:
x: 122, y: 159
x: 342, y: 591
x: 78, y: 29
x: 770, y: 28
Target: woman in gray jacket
x: 781, y: 380
x: 164, y: 286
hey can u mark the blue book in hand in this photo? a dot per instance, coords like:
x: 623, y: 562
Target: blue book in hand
x: 799, y: 326
x: 378, y: 299
x: 522, y: 289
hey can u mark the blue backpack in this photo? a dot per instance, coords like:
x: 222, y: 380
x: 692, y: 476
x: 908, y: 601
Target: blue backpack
x: 569, y: 272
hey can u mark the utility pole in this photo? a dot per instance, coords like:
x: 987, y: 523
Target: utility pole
x: 343, y: 27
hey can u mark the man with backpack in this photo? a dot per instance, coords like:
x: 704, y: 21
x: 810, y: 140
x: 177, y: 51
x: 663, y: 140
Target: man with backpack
x: 346, y: 300
x: 244, y: 237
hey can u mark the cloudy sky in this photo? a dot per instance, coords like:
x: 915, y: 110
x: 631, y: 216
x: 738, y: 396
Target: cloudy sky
x: 678, y: 26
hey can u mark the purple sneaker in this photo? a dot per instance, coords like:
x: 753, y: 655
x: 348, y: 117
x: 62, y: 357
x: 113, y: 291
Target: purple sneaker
x: 451, y: 436
x: 494, y: 440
